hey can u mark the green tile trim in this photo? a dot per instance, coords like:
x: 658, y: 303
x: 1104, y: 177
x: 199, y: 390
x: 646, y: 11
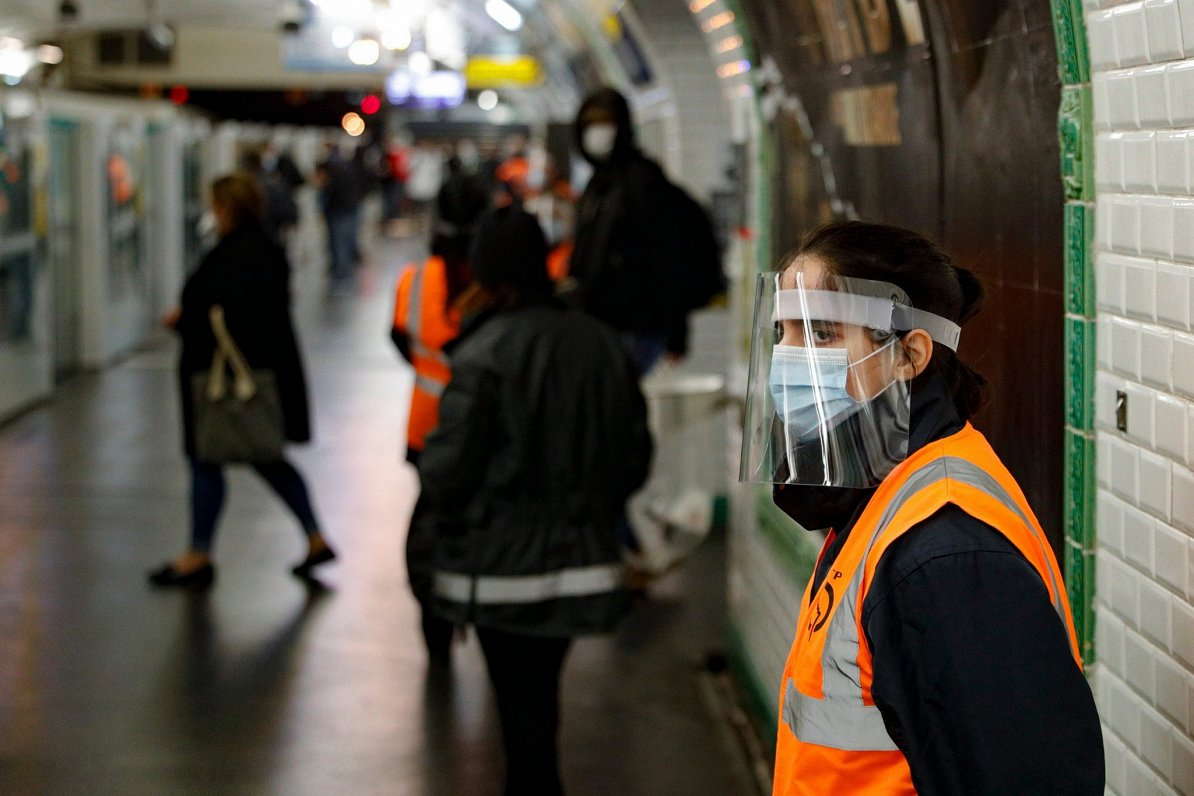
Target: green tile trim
x: 1079, y: 372
x: 762, y: 698
x: 1080, y: 490
x: 1069, y: 29
x: 794, y: 548
x: 1076, y: 139
x: 1075, y: 125
x: 1079, y: 259
x: 1080, y: 583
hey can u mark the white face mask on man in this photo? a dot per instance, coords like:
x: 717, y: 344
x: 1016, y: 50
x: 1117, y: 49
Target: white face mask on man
x: 597, y: 140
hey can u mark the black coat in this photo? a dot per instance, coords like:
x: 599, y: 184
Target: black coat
x: 542, y: 436
x: 625, y: 250
x: 248, y: 275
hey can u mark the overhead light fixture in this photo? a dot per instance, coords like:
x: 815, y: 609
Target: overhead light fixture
x: 395, y: 39
x: 364, y: 52
x: 15, y: 60
x: 729, y: 43
x: 342, y: 36
x: 697, y: 6
x: 49, y: 54
x: 344, y: 8
x: 718, y: 21
x: 733, y: 68
x: 504, y: 14
x: 487, y: 100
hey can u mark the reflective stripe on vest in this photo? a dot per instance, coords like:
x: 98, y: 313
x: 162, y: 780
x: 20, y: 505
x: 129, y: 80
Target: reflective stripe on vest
x: 429, y: 385
x: 414, y: 324
x: 489, y: 589
x: 414, y: 305
x: 854, y: 728
x: 838, y: 719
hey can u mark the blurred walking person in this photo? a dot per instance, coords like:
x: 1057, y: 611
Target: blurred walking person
x: 248, y: 276
x: 340, y: 199
x: 644, y: 254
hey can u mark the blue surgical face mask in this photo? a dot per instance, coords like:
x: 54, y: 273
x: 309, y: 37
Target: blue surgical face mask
x: 809, y: 389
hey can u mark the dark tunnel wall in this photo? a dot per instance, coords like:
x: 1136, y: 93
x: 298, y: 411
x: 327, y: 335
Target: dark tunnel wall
x: 939, y: 115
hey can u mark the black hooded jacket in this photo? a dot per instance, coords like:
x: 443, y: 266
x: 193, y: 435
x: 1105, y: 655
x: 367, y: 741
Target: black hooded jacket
x: 972, y: 669
x: 631, y: 245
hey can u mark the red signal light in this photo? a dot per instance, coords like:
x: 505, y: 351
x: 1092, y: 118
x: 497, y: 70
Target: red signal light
x: 370, y: 104
x: 179, y: 94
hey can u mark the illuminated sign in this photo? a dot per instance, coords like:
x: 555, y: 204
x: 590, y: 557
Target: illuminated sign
x: 440, y: 89
x: 496, y: 71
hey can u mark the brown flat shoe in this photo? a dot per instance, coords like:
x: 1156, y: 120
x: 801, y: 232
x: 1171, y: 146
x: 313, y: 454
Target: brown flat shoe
x: 199, y: 578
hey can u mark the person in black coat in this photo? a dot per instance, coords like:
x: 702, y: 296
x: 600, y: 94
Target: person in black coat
x: 542, y: 436
x: 644, y: 250
x: 246, y: 274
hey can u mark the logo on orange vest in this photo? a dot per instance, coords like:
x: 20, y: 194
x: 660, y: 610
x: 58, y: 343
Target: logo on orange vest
x: 822, y: 608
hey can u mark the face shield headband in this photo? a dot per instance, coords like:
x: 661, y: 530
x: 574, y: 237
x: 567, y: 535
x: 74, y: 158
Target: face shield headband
x: 882, y: 307
x: 826, y: 405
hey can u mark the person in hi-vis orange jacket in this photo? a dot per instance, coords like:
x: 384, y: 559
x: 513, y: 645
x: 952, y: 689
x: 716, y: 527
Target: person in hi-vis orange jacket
x: 934, y: 651
x: 425, y: 320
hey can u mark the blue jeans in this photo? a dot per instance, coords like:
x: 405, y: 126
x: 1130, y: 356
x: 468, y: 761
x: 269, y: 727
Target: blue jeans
x: 645, y: 350
x: 342, y: 242
x: 207, y: 498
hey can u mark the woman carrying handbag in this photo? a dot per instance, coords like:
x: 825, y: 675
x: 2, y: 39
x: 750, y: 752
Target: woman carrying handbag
x: 245, y: 278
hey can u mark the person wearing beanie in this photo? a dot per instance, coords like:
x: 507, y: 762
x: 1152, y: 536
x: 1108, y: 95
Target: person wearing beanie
x: 542, y: 436
x: 425, y: 319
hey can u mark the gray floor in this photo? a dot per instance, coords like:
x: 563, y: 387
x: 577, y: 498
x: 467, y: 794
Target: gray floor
x: 264, y: 686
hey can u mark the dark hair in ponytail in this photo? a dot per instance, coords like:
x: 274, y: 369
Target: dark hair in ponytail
x: 883, y: 253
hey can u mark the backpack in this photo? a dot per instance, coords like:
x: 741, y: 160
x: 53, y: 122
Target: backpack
x: 699, y: 275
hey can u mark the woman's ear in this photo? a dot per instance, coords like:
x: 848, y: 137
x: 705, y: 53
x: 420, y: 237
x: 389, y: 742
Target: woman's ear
x: 918, y: 350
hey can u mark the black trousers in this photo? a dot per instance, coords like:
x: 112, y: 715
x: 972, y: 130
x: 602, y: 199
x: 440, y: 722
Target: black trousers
x: 525, y: 671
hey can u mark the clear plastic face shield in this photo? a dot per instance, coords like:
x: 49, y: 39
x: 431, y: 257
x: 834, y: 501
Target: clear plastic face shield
x: 828, y: 398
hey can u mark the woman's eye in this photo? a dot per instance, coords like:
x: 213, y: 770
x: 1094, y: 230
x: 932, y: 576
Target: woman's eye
x: 822, y: 335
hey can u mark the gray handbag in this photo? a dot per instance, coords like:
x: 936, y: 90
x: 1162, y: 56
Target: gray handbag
x: 241, y: 424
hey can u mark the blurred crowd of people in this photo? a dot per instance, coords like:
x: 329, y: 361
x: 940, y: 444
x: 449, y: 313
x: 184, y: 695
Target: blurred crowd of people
x: 528, y: 328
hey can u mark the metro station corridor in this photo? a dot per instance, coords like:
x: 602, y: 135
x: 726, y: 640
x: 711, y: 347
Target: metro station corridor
x: 262, y: 685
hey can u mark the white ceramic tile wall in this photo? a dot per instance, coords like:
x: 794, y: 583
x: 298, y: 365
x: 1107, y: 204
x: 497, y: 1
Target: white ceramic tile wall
x: 1142, y: 56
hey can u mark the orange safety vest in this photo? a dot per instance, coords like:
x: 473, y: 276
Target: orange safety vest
x: 831, y: 736
x: 422, y: 313
x: 558, y: 261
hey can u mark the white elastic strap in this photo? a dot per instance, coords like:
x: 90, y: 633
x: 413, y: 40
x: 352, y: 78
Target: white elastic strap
x: 869, y: 311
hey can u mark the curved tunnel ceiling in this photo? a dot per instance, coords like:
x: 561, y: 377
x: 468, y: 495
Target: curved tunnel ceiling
x: 570, y: 39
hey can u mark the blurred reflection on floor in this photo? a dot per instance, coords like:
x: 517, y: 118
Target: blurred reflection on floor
x: 263, y: 686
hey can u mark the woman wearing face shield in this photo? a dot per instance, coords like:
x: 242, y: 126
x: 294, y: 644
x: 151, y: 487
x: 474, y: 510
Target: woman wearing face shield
x: 934, y: 651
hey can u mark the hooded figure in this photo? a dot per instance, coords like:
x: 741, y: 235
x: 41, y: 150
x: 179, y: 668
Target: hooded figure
x: 641, y: 242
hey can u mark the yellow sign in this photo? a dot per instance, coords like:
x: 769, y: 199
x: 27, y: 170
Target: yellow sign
x: 496, y: 71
